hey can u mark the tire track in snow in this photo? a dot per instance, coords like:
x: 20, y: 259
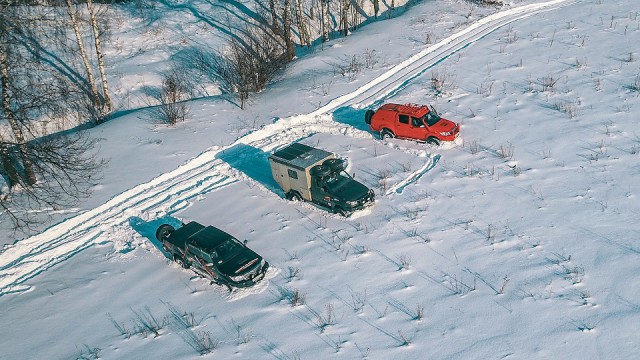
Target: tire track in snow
x: 206, y: 172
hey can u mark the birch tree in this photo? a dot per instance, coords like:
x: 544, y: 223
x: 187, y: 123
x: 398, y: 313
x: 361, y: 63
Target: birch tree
x: 100, y: 55
x: 75, y: 25
x: 324, y: 19
x: 39, y: 171
x: 286, y: 30
x: 303, y: 28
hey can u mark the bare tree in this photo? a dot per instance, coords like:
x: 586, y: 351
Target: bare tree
x: 39, y: 170
x: 303, y: 28
x: 286, y: 30
x: 376, y: 8
x: 101, y: 100
x: 251, y: 59
x: 345, y: 5
x: 324, y: 19
x: 100, y: 55
x: 172, y: 97
x: 75, y: 25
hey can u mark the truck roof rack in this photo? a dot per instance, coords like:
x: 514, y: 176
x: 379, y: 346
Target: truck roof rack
x: 300, y: 155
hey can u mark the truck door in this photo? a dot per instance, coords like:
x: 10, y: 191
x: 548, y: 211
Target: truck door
x: 319, y: 194
x: 418, y: 129
x: 403, y: 127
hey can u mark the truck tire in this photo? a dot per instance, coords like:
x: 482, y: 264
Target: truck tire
x: 164, y: 231
x: 367, y: 116
x: 180, y: 260
x: 342, y: 212
x: 386, y: 134
x: 433, y: 140
x: 294, y: 196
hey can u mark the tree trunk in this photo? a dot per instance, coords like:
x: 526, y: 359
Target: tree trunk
x: 8, y: 167
x: 302, y: 25
x: 30, y: 176
x: 274, y: 17
x: 96, y: 36
x: 286, y: 27
x: 376, y: 8
x: 85, y: 59
x: 344, y: 16
x: 324, y: 9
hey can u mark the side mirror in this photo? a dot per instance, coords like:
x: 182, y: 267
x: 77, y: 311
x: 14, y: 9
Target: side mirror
x: 354, y: 175
x: 245, y: 242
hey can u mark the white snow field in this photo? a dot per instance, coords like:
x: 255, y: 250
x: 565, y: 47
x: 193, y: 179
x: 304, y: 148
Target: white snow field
x: 520, y: 240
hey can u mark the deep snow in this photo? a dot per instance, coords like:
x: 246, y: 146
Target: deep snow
x: 520, y: 240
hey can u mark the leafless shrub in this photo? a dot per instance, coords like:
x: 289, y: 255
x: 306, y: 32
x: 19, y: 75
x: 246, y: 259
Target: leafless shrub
x: 404, y: 340
x: 515, y: 170
x: 457, y: 286
x: 573, y: 274
x: 568, y: 107
x: 146, y: 323
x: 474, y: 147
x: 511, y: 35
x: 419, y: 312
x: 88, y: 353
x: 442, y: 82
x: 296, y: 298
x: 203, y: 342
x: 293, y: 273
x: 370, y: 58
x: 485, y: 88
x: 121, y: 327
x: 172, y: 96
x: 505, y: 151
x: 358, y: 301
x: 326, y: 319
x: 490, y: 235
x: 252, y: 58
x: 405, y: 262
x: 634, y: 85
x: 505, y: 281
x: 349, y: 67
x: 383, y: 176
x: 548, y: 82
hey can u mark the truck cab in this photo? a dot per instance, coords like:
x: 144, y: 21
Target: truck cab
x: 410, y: 121
x: 318, y: 176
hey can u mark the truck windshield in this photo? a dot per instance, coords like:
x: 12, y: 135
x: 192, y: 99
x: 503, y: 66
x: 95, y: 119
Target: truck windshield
x: 227, y: 250
x: 337, y: 180
x: 431, y: 118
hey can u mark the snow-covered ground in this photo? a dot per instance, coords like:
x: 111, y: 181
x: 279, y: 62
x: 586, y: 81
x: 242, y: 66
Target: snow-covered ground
x: 521, y: 240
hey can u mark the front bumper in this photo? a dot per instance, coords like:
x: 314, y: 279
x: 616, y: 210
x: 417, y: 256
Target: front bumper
x: 252, y: 280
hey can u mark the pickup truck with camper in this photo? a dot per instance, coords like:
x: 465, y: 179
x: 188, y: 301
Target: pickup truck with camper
x: 213, y: 254
x: 411, y: 121
x: 318, y: 176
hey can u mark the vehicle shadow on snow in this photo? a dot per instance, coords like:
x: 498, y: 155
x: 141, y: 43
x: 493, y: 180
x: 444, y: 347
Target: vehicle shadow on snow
x: 252, y: 162
x: 148, y: 228
x: 352, y: 117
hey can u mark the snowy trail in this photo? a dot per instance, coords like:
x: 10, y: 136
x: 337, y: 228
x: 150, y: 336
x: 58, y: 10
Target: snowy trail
x: 207, y: 172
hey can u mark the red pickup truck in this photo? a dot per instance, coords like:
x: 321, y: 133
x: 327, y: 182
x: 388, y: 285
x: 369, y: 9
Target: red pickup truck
x: 411, y: 121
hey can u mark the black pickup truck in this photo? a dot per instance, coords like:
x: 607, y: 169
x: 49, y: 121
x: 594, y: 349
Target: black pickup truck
x: 213, y: 254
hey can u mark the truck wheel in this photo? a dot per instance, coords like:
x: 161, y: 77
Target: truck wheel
x: 433, y: 141
x: 367, y: 116
x: 386, y: 134
x: 181, y: 261
x: 294, y: 196
x: 342, y: 212
x: 164, y: 231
